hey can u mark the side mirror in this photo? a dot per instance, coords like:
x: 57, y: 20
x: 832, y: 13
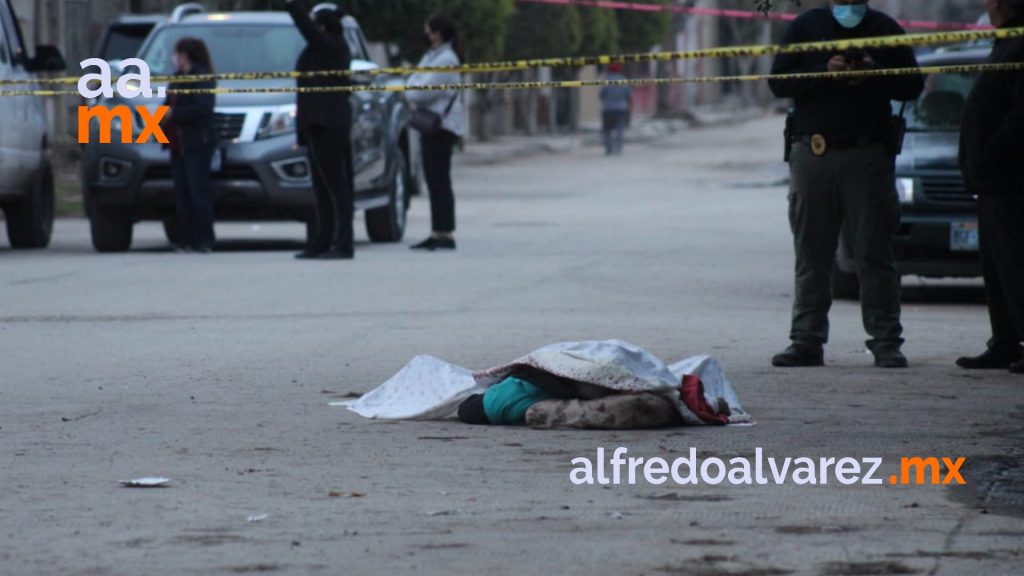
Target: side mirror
x: 47, y: 59
x: 362, y: 71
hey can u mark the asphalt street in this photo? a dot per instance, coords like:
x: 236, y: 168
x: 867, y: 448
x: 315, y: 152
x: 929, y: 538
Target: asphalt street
x: 216, y: 372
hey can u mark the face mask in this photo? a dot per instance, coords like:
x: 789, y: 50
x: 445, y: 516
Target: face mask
x: 849, y: 15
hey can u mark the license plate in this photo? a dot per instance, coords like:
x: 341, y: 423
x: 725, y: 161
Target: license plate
x: 963, y: 237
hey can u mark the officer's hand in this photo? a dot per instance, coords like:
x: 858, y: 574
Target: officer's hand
x: 838, y: 64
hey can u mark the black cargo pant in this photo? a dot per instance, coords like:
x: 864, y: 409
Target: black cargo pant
x: 851, y: 191
x: 330, y: 157
x: 437, y: 170
x: 1001, y: 226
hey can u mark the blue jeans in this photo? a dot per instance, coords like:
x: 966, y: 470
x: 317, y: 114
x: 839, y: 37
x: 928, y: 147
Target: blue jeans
x: 193, y: 197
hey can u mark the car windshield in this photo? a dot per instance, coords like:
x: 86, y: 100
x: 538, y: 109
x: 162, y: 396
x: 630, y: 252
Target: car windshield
x: 941, y: 105
x: 125, y: 41
x: 233, y: 48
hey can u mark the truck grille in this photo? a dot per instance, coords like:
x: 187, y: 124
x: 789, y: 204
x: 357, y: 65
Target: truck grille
x: 229, y: 126
x: 946, y: 189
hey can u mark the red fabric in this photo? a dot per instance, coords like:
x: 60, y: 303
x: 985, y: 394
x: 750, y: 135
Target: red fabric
x: 692, y: 394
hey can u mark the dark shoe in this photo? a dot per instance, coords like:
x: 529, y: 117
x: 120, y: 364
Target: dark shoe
x: 204, y: 250
x: 338, y: 254
x: 1017, y: 367
x: 311, y: 253
x: 797, y: 356
x: 990, y: 360
x: 431, y: 244
x: 890, y: 358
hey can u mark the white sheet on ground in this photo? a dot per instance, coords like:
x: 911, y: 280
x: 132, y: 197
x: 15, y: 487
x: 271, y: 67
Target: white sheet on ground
x: 431, y: 389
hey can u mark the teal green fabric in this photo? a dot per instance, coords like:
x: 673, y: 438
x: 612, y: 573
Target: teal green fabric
x: 506, y: 403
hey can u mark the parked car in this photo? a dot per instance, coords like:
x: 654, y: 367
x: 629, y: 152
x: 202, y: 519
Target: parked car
x: 26, y: 188
x: 938, y: 234
x: 263, y: 173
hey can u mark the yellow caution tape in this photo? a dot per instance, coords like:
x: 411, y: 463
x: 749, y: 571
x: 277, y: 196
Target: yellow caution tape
x: 837, y: 46
x: 572, y: 84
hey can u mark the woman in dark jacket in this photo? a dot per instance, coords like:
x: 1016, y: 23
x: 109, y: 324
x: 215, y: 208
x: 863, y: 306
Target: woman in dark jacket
x: 192, y: 141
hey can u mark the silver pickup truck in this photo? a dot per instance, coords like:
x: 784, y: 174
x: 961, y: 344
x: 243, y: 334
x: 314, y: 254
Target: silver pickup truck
x: 263, y: 173
x: 26, y: 177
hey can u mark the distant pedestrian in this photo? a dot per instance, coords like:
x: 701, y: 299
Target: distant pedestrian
x: 991, y: 146
x: 439, y: 120
x: 842, y: 144
x: 325, y: 128
x: 615, y: 106
x: 192, y: 139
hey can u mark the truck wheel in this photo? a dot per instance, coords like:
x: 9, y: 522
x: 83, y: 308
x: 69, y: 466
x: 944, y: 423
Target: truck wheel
x: 387, y: 224
x: 171, y: 230
x: 30, y: 222
x: 111, y: 230
x: 845, y: 286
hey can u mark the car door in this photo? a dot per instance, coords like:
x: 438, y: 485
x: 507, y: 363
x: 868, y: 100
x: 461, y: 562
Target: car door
x: 7, y: 129
x: 21, y: 114
x: 369, y: 122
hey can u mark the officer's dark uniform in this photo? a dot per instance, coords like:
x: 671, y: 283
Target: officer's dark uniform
x: 842, y: 178
x: 324, y: 126
x: 991, y: 148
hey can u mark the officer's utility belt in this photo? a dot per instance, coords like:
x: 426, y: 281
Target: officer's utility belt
x: 821, y: 144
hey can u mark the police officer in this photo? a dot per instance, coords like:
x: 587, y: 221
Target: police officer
x: 842, y: 146
x: 324, y: 126
x: 991, y: 146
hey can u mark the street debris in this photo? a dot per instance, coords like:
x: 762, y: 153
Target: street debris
x: 257, y: 518
x: 148, y: 482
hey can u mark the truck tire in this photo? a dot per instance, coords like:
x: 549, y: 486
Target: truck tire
x: 111, y: 230
x: 387, y: 223
x: 30, y: 222
x: 845, y: 286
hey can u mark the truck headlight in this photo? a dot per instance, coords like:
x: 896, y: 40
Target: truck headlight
x: 278, y: 122
x: 905, y: 190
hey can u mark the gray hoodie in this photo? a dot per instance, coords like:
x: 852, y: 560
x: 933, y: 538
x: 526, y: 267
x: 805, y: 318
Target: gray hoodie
x: 616, y: 98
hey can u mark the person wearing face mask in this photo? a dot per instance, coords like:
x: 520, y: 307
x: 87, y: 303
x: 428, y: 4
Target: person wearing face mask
x: 192, y: 140
x: 991, y: 146
x: 443, y: 131
x: 324, y: 125
x: 842, y: 142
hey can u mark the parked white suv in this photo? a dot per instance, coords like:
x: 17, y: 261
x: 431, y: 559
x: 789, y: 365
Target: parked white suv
x: 26, y: 177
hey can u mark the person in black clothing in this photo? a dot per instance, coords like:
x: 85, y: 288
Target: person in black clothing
x: 192, y: 139
x: 324, y: 127
x: 842, y: 161
x: 991, y: 146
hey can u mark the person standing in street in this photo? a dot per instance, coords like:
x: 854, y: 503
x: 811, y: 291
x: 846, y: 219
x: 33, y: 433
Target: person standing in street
x: 615, y: 101
x: 991, y: 147
x: 324, y: 127
x: 439, y: 140
x: 192, y: 140
x: 842, y: 143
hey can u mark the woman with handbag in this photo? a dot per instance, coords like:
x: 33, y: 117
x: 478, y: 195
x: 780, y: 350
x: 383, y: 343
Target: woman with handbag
x: 438, y: 118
